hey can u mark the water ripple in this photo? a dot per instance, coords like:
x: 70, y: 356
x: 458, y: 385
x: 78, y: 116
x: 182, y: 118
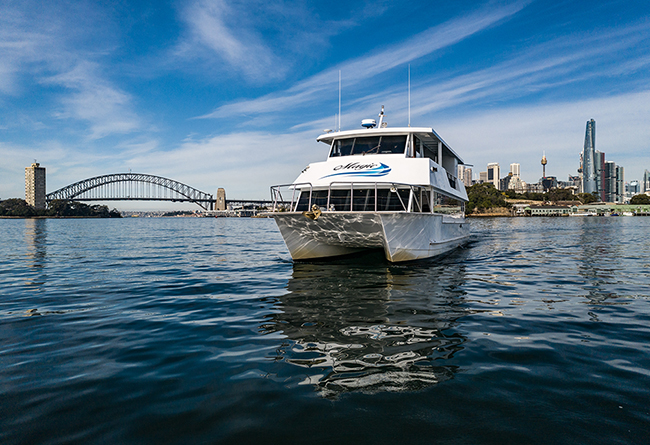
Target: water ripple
x: 194, y: 330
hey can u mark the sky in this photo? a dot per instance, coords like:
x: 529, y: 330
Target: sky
x: 233, y: 94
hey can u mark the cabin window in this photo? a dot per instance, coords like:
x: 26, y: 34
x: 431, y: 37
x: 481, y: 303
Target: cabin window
x: 363, y: 200
x: 367, y: 145
x: 391, y: 201
x: 318, y: 197
x: 424, y: 151
x: 445, y: 204
x: 342, y: 147
x: 421, y: 200
x: 392, y: 144
x: 364, y: 146
x: 340, y: 200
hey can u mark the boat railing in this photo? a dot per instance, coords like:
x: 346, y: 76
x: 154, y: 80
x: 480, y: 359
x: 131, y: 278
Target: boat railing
x: 363, y: 197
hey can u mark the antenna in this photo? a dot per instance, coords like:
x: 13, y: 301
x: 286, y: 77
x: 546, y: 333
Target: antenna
x: 339, y: 100
x: 409, y: 94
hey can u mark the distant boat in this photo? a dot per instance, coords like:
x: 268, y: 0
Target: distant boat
x: 389, y: 188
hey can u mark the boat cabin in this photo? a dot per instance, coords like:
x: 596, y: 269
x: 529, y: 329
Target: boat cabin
x: 411, y: 143
x: 404, y: 169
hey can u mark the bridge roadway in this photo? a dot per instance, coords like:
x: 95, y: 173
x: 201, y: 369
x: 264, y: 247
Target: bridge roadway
x: 142, y: 187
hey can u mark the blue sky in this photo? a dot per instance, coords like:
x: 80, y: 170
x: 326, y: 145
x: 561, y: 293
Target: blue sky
x: 234, y: 93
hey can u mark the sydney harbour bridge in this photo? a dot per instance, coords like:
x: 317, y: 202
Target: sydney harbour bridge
x: 140, y: 187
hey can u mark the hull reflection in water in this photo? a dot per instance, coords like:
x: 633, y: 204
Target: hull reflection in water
x: 372, y: 327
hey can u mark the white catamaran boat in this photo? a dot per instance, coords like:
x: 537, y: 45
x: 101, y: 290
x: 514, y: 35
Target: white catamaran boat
x: 389, y: 188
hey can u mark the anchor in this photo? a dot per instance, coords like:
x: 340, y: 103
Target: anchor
x: 314, y: 213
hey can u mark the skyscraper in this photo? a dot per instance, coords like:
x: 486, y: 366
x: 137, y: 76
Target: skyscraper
x: 515, y: 169
x: 620, y: 184
x: 599, y: 168
x: 465, y: 175
x: 493, y: 172
x: 35, y: 185
x: 610, y: 181
x: 588, y: 159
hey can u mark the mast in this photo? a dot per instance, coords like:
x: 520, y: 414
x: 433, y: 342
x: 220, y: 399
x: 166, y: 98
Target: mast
x: 339, y: 100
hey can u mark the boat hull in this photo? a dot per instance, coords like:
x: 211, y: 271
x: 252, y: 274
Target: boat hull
x: 404, y: 236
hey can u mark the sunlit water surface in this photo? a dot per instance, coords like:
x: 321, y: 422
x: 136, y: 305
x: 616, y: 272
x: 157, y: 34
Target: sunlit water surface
x: 201, y: 330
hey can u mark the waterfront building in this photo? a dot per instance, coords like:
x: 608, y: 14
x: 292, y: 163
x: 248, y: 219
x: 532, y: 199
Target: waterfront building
x: 548, y: 183
x: 493, y: 174
x: 465, y: 175
x: 620, y: 184
x: 515, y: 170
x: 515, y: 183
x: 645, y: 185
x: 482, y: 177
x: 599, y: 165
x: 588, y: 159
x: 632, y: 188
x: 614, y: 183
x: 549, y: 210
x: 609, y: 185
x: 504, y: 183
x: 35, y: 185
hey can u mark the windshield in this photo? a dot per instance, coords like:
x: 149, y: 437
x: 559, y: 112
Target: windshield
x: 369, y: 145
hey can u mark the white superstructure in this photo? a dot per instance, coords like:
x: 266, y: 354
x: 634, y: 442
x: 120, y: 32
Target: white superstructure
x: 380, y: 187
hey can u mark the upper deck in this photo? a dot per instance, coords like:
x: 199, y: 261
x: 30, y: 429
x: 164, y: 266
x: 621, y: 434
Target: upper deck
x: 418, y: 142
x: 400, y: 155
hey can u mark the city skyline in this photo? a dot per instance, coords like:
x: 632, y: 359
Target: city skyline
x: 214, y: 93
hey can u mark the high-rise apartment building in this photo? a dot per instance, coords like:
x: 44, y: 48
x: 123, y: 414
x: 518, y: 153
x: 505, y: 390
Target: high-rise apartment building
x: 620, y: 184
x: 465, y: 175
x: 515, y: 169
x: 614, y: 185
x: 609, y: 184
x: 599, y: 168
x: 645, y: 185
x: 482, y: 177
x: 493, y: 174
x: 35, y: 185
x: 588, y: 159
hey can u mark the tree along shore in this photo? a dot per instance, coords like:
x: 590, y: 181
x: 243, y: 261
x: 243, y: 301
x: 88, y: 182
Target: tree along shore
x: 18, y: 208
x: 486, y: 200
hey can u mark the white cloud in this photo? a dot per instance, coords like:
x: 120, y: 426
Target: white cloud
x: 106, y: 108
x: 215, y: 25
x: 256, y: 40
x: 247, y: 163
x: 366, y: 67
x: 38, y: 44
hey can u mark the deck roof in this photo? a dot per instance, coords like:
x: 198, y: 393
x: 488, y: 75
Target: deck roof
x: 427, y: 134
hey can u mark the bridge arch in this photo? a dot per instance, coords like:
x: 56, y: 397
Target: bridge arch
x: 132, y: 187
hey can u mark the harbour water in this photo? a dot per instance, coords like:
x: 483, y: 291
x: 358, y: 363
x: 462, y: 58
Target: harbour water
x: 202, y: 330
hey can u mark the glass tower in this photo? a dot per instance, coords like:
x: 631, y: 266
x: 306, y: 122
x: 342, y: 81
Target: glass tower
x: 588, y: 159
